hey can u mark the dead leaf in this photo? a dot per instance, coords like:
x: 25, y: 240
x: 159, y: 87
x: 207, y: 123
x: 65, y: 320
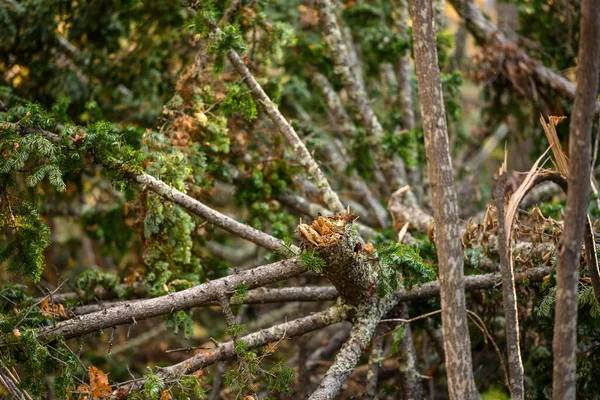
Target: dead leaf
x: 98, y: 387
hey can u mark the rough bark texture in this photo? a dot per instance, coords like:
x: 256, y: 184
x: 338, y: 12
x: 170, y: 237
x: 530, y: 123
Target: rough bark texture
x: 129, y: 313
x: 374, y: 365
x: 256, y: 296
x: 451, y: 275
x: 485, y: 33
x: 509, y: 297
x: 323, y: 293
x: 580, y: 144
x: 346, y: 266
x: 368, y: 316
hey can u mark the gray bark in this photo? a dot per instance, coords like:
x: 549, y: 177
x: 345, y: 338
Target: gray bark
x: 580, y: 143
x: 449, y: 248
x: 129, y: 313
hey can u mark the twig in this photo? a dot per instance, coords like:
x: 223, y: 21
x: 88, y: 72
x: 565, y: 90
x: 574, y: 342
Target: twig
x: 226, y: 350
x: 479, y: 324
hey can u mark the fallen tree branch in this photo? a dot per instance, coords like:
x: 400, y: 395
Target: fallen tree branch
x: 144, y: 309
x: 392, y: 167
x: 256, y: 296
x: 221, y: 220
x: 369, y: 314
x: 189, y: 203
x: 226, y: 350
x: 486, y: 33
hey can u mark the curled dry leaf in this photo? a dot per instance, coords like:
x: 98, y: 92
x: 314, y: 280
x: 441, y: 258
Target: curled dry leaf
x: 98, y: 387
x: 52, y: 310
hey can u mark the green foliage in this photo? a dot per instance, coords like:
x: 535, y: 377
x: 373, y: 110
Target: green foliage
x: 124, y: 56
x: 195, y: 385
x: 226, y: 39
x: 280, y: 379
x: 285, y: 249
x: 181, y: 320
x: 378, y: 40
x: 27, y: 238
x: 451, y: 85
x: 241, y: 293
x: 475, y: 256
x: 400, y: 265
x: 90, y: 279
x: 235, y: 331
x: 553, y: 210
x: 398, y: 334
x: 153, y: 385
x: 312, y: 260
x: 546, y: 306
x: 406, y: 145
x: 281, y: 35
x: 239, y: 101
x: 362, y: 157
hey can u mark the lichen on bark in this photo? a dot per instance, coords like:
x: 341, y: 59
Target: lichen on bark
x: 346, y: 265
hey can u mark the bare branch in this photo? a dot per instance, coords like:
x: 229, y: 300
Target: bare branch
x: 374, y: 364
x: 208, y: 292
x: 222, y: 221
x: 392, y: 167
x: 226, y: 350
x: 368, y: 315
x: 304, y: 157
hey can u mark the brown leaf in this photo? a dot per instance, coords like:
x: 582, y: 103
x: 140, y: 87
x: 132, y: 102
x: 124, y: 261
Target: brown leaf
x: 98, y: 383
x: 270, y: 348
x: 98, y: 387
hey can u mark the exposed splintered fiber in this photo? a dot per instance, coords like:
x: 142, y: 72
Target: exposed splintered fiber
x: 346, y: 266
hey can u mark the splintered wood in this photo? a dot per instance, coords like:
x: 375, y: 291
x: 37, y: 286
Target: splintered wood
x: 325, y: 231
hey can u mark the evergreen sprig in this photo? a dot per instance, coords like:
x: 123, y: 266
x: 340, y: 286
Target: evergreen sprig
x: 400, y: 265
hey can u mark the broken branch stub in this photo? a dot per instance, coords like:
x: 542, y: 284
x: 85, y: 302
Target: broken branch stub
x: 346, y: 264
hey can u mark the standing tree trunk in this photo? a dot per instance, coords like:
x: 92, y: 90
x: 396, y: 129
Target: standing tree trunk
x: 447, y: 233
x: 569, y: 253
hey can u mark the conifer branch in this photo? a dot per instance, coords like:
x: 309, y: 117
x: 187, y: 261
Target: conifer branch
x: 313, y: 169
x: 214, y: 217
x: 392, y: 167
x: 193, y: 297
x: 254, y: 340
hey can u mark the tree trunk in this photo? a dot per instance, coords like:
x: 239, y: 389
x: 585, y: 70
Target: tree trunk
x: 451, y: 275
x: 569, y: 253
